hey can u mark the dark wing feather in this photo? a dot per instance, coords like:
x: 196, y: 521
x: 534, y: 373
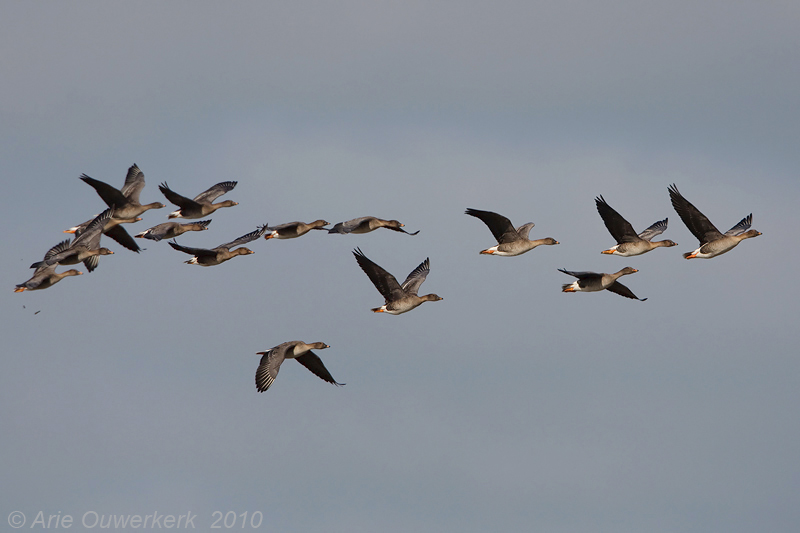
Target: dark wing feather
x: 119, y: 234
x: 110, y: 195
x: 617, y: 226
x: 177, y: 199
x: 214, y: 192
x: 134, y: 183
x: 244, y: 239
x: 500, y: 226
x: 311, y: 361
x: 698, y: 224
x: 385, y: 283
x: 198, y: 252
x: 401, y: 230
x: 581, y: 275
x: 622, y: 290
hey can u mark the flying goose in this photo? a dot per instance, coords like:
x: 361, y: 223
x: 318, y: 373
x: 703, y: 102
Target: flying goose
x: 367, y: 224
x: 628, y: 241
x: 399, y: 298
x: 712, y: 242
x: 510, y: 241
x: 272, y: 359
x: 202, y: 205
x: 220, y: 254
x: 593, y: 282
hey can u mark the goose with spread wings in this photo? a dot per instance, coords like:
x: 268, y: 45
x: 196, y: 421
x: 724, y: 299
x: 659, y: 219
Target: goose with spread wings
x: 292, y: 230
x: 399, y: 298
x: 125, y: 201
x: 628, y: 241
x: 510, y: 241
x: 203, y: 204
x: 712, y: 241
x: 272, y: 359
x: 221, y: 253
x: 85, y: 248
x: 593, y: 282
x: 46, y: 276
x: 170, y: 230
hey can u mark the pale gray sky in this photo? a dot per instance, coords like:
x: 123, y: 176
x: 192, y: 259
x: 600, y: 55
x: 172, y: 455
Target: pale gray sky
x: 508, y: 406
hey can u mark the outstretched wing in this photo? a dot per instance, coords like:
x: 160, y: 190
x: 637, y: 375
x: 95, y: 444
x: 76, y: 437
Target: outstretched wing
x: 742, y: 226
x: 414, y: 280
x: 656, y: 229
x: 110, y: 195
x: 500, y: 226
x: 177, y: 199
x: 214, y: 192
x: 244, y: 239
x: 268, y: 368
x: 311, y: 361
x: 617, y: 226
x: 119, y: 234
x: 580, y: 275
x: 698, y: 224
x: 385, y: 283
x: 134, y: 183
x: 198, y: 252
x: 90, y: 237
x: 622, y: 290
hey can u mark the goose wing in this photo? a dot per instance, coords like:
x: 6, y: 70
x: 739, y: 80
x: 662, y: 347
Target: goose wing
x: 269, y: 366
x: 414, y: 280
x: 622, y: 290
x: 134, y: 183
x: 385, y: 283
x: 311, y: 361
x: 215, y: 191
x: 617, y: 226
x: 741, y: 227
x: 698, y: 224
x: 110, y: 195
x: 244, y: 239
x: 500, y: 226
x: 177, y: 199
x: 657, y: 228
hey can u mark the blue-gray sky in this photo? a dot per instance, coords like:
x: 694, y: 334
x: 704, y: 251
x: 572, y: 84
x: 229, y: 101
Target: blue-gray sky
x: 507, y: 406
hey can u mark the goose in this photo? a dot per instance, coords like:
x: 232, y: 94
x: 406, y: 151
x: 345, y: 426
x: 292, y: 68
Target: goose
x: 85, y: 248
x: 292, y: 230
x: 220, y: 254
x: 399, y: 298
x: 510, y: 241
x: 202, y: 205
x: 170, y: 230
x: 367, y: 224
x: 125, y: 201
x: 46, y: 276
x: 712, y: 242
x: 593, y: 282
x: 272, y: 359
x: 630, y: 243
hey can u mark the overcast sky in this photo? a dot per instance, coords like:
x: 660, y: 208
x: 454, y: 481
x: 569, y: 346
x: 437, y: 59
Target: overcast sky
x: 509, y: 405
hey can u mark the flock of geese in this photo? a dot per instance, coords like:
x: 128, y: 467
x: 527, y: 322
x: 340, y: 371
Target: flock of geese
x: 124, y: 207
